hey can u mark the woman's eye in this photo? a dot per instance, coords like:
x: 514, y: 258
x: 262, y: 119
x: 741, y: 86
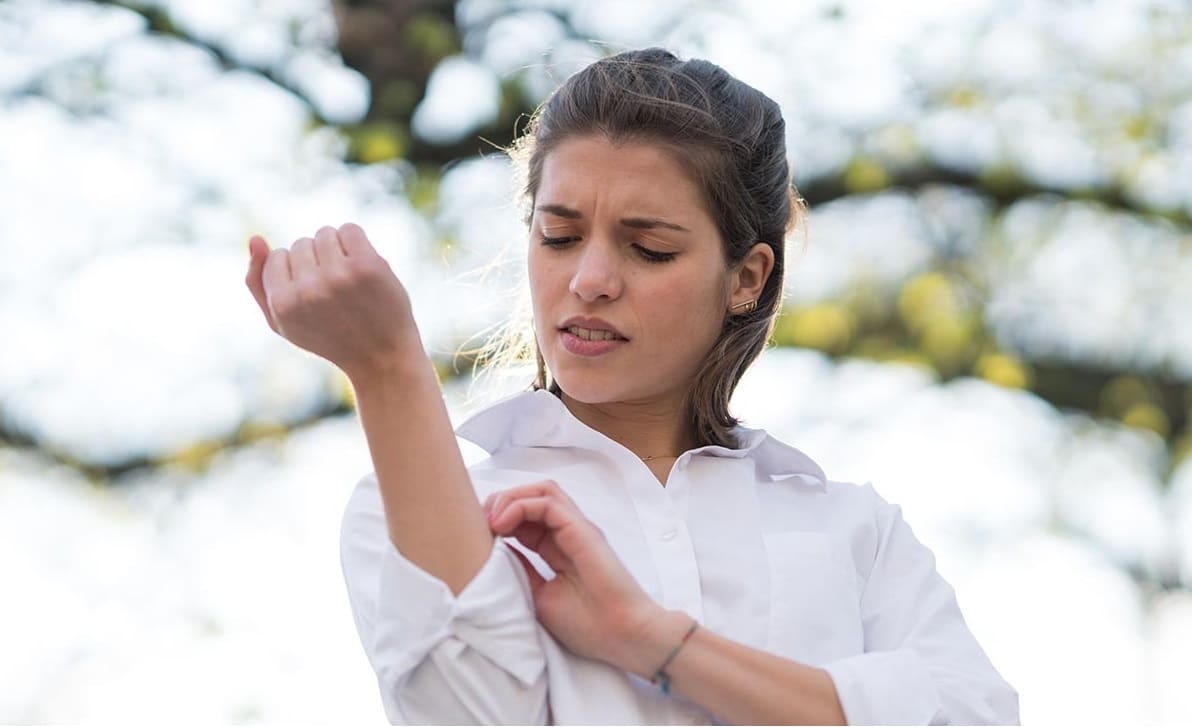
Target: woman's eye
x: 654, y: 256
x: 557, y: 241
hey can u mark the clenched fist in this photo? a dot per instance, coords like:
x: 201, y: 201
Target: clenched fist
x: 334, y: 296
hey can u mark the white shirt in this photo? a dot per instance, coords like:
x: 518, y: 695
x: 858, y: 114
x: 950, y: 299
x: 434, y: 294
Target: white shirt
x: 754, y: 543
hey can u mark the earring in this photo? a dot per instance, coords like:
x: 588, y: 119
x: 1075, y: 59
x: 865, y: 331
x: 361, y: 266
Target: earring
x: 749, y: 306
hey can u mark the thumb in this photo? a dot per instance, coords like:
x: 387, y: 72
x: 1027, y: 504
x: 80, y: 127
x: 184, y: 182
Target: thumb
x: 258, y: 251
x: 536, y: 579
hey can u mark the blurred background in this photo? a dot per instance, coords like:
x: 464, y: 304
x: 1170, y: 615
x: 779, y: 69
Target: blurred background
x: 987, y: 316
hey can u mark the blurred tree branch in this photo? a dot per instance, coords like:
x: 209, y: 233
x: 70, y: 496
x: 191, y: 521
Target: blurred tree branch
x: 196, y: 457
x: 158, y: 21
x: 1002, y: 187
x: 397, y: 44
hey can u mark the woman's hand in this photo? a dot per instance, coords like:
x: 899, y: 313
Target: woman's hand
x: 593, y: 605
x: 334, y: 296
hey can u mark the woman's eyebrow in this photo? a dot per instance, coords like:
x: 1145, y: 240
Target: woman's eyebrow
x: 637, y: 223
x: 649, y: 223
x: 560, y: 210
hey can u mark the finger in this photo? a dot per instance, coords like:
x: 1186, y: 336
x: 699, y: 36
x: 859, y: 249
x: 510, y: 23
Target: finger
x: 328, y: 251
x: 258, y: 247
x: 490, y: 503
x: 275, y: 277
x: 550, y: 489
x: 544, y: 510
x: 302, y: 259
x: 536, y: 579
x: 544, y: 488
x: 258, y: 251
x: 530, y: 535
x: 355, y: 242
x: 538, y: 539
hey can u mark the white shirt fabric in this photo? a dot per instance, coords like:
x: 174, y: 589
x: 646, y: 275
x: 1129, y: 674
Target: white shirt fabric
x: 754, y: 543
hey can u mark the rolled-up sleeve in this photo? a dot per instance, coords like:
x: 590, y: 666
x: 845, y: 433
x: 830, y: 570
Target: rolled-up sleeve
x: 921, y: 664
x: 440, y: 658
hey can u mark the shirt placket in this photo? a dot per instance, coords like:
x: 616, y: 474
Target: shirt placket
x: 668, y: 538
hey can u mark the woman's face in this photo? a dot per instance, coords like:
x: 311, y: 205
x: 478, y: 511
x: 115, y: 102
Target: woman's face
x: 627, y: 274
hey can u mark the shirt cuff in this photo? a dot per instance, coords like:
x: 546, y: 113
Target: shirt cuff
x: 493, y: 614
x: 890, y: 687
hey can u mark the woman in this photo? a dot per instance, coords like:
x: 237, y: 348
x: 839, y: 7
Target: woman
x: 627, y: 553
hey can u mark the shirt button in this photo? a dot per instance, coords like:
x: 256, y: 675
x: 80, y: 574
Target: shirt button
x: 669, y: 534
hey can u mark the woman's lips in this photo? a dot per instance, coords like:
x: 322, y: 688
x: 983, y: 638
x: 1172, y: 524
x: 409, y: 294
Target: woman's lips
x: 584, y: 347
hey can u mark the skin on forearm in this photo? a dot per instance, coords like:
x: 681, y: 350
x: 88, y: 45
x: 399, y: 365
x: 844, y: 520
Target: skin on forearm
x: 737, y: 683
x: 434, y: 518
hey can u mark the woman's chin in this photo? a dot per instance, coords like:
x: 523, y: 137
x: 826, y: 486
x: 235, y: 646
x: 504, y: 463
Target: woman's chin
x: 587, y: 391
x: 594, y: 390
x: 592, y: 387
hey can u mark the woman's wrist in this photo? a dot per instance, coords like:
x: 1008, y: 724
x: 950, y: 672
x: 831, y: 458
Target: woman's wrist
x: 409, y: 362
x: 649, y: 646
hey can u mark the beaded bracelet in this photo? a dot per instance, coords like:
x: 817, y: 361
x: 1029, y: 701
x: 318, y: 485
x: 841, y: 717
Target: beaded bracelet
x: 661, y: 678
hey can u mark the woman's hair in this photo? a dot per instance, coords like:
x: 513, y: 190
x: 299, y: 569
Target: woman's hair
x: 730, y: 138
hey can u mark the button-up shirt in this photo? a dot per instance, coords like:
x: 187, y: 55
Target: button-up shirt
x: 754, y: 543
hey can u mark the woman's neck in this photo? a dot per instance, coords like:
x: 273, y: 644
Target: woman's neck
x: 654, y: 429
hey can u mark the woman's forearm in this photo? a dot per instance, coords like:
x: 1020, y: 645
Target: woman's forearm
x: 431, y: 509
x: 738, y: 684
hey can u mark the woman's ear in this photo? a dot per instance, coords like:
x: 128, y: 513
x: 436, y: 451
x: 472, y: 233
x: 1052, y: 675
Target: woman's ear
x: 751, y: 274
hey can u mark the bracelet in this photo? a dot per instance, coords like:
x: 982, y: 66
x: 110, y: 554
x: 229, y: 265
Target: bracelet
x: 661, y: 678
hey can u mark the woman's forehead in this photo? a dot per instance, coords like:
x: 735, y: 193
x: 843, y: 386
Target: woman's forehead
x: 639, y: 176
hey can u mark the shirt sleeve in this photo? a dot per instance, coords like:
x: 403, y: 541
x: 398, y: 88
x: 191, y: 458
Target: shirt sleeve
x: 921, y: 664
x: 474, y: 658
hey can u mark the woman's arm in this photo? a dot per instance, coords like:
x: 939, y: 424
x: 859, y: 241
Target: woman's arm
x: 431, y: 511
x: 334, y: 296
x: 441, y: 607
x: 737, y: 683
x: 472, y: 658
x: 920, y: 664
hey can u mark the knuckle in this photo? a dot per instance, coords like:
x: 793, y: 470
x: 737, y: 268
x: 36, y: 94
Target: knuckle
x: 283, y: 305
x: 339, y: 280
x: 327, y: 242
x: 310, y: 291
x: 359, y: 265
x: 370, y: 269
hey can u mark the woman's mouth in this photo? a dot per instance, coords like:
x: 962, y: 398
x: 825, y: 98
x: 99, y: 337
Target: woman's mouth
x: 590, y: 342
x: 593, y: 334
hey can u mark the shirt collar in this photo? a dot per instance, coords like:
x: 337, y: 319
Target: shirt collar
x: 540, y: 419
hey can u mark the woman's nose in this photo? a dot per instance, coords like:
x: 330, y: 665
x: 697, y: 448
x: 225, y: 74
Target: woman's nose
x: 597, y: 273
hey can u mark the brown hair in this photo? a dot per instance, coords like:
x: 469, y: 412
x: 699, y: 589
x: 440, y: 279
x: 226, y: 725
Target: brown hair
x: 731, y: 139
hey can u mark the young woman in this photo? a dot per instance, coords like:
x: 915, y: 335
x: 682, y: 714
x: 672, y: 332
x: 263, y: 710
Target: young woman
x: 627, y: 553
